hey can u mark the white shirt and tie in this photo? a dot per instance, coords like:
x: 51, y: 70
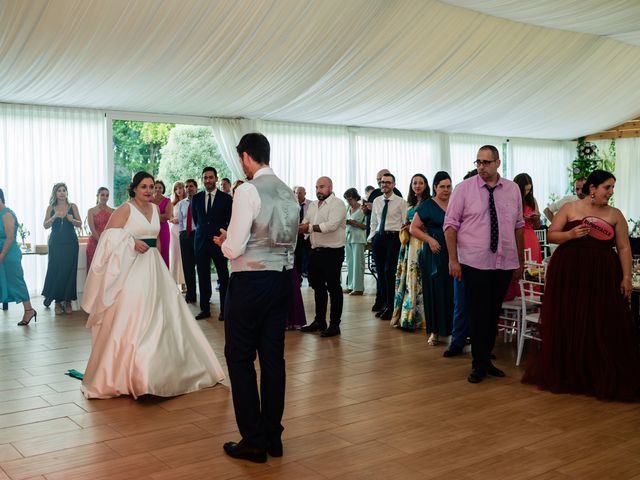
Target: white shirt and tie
x: 209, y: 197
x: 396, y: 214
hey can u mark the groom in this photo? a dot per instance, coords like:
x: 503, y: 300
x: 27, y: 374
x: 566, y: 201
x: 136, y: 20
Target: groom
x: 211, y: 211
x: 260, y: 243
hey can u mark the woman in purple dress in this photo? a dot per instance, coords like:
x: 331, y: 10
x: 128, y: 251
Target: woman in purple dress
x: 164, y: 204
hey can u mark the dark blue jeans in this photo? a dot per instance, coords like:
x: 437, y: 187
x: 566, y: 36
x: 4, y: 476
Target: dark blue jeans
x: 460, y: 320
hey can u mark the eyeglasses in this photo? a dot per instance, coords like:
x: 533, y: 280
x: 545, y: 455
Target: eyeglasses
x: 484, y: 163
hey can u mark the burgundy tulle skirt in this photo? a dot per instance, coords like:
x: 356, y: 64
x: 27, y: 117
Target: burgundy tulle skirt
x: 588, y: 341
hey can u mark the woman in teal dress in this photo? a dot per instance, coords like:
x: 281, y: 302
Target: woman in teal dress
x: 408, y: 308
x: 62, y: 218
x: 436, y: 281
x: 12, y: 286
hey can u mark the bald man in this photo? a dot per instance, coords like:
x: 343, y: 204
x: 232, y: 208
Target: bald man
x: 325, y: 223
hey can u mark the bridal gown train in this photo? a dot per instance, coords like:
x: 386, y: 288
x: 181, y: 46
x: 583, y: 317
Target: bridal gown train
x: 144, y: 338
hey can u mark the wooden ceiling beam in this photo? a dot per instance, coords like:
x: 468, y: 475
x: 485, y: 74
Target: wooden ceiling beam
x: 630, y: 129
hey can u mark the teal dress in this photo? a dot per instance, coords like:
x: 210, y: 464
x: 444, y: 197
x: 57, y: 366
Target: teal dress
x: 12, y: 286
x: 408, y: 308
x: 437, y: 284
x: 62, y: 269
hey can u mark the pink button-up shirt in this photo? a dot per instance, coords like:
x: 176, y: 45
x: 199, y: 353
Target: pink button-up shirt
x: 468, y: 214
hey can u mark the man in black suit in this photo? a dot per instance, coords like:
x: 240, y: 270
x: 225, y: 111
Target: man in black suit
x: 211, y: 210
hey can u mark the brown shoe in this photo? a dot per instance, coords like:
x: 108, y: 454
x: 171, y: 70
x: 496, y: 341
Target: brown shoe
x: 357, y: 292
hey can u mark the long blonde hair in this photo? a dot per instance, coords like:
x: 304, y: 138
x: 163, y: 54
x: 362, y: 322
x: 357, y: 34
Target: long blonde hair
x: 175, y: 198
x: 53, y: 200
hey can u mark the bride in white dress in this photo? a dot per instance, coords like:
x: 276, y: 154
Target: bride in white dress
x: 144, y: 338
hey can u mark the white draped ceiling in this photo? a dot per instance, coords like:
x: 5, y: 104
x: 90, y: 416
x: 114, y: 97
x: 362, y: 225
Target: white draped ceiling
x: 406, y: 64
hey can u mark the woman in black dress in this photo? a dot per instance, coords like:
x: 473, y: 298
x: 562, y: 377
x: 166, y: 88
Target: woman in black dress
x: 61, y: 217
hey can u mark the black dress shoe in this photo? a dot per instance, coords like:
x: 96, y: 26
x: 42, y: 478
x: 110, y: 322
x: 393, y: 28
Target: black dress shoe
x: 274, y: 448
x: 494, y: 371
x: 313, y: 327
x: 386, y: 315
x: 220, y: 318
x: 476, y: 376
x: 332, y: 331
x: 203, y: 315
x: 245, y: 452
x: 379, y: 313
x: 452, y: 351
x: 377, y: 307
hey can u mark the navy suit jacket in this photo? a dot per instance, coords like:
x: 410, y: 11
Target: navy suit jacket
x: 209, y: 224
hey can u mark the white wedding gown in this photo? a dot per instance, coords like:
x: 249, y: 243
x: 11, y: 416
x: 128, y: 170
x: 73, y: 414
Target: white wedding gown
x: 145, y: 339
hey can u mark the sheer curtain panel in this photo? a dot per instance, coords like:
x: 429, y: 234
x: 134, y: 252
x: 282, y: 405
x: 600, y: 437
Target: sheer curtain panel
x: 40, y: 146
x: 547, y: 163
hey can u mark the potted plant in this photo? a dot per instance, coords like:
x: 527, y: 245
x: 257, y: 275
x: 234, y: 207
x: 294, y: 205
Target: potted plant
x: 24, y: 233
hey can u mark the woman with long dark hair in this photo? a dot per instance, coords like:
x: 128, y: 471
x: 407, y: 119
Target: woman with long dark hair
x: 436, y: 281
x: 588, y: 343
x: 144, y: 337
x: 62, y: 218
x: 531, y: 215
x: 408, y: 308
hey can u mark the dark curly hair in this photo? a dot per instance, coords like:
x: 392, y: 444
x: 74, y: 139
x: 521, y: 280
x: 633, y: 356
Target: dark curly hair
x: 352, y: 193
x: 522, y: 180
x: 596, y: 178
x: 412, y: 198
x: 437, y: 178
x: 135, y: 181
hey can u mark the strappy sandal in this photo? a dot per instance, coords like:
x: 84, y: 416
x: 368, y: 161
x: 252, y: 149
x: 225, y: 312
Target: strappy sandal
x: 26, y: 321
x: 433, y: 340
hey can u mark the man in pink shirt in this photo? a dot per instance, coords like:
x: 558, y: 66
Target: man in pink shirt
x: 483, y: 229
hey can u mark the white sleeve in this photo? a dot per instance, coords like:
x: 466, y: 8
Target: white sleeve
x: 246, y: 206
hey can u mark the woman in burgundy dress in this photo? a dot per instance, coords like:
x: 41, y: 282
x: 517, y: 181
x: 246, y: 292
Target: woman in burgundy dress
x: 588, y: 344
x: 166, y: 212
x: 97, y: 218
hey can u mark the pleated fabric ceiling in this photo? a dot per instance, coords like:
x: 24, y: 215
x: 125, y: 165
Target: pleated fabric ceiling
x: 539, y: 69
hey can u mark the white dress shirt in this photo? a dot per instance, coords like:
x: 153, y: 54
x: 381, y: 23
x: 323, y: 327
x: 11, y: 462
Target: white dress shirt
x: 396, y: 214
x: 331, y: 218
x: 206, y: 199
x: 245, y: 209
x: 555, y: 206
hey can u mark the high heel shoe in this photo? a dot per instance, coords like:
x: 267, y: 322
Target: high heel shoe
x: 25, y: 321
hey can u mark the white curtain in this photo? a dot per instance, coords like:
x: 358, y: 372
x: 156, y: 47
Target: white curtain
x: 403, y: 153
x: 463, y: 150
x: 228, y: 132
x: 300, y: 153
x: 628, y: 177
x: 351, y: 156
x: 405, y: 64
x: 547, y: 163
x: 40, y: 146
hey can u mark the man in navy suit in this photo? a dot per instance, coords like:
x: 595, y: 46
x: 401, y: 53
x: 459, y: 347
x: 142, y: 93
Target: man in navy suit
x: 211, y: 211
